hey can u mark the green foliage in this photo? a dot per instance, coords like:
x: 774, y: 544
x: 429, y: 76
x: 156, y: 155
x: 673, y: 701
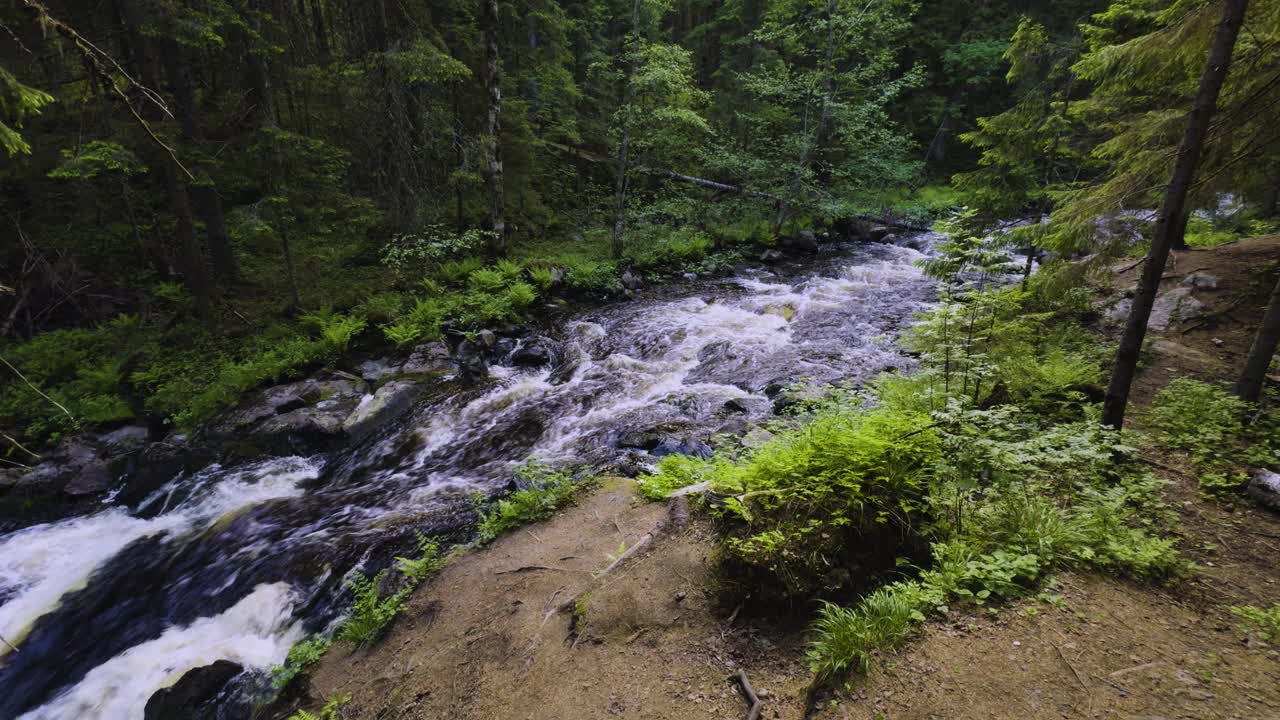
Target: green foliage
x: 1261, y: 624
x: 545, y: 490
x: 1207, y: 422
x: 429, y: 561
x: 846, y: 637
x: 300, y: 659
x: 370, y: 613
x: 332, y: 710
x: 17, y: 102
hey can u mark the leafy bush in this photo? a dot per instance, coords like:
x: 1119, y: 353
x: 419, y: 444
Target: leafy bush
x: 370, y: 614
x: 1208, y: 423
x: 330, y: 711
x: 301, y: 657
x: 846, y: 637
x: 1262, y: 624
x: 429, y: 561
x: 545, y: 491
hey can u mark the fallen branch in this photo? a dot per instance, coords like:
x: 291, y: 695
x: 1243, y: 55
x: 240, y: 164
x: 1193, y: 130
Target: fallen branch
x: 38, y: 391
x: 1132, y: 265
x: 757, y: 706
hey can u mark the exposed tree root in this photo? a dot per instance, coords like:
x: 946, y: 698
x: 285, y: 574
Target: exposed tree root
x: 757, y: 706
x: 676, y: 518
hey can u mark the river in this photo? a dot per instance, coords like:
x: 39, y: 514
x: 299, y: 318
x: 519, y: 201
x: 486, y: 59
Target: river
x: 239, y: 563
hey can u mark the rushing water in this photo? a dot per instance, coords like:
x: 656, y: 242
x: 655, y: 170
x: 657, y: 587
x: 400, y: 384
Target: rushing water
x: 239, y: 563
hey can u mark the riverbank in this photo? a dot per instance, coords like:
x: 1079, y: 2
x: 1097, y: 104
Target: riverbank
x: 652, y: 641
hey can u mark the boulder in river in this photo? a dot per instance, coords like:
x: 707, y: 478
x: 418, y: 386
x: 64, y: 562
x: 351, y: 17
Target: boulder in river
x: 804, y: 241
x: 674, y: 445
x: 631, y: 280
x: 187, y: 699
x: 427, y: 359
x: 377, y: 410
x: 536, y: 351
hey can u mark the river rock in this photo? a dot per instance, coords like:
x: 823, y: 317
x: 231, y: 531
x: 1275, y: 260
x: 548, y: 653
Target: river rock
x: 120, y: 441
x: 375, y: 370
x: 745, y: 405
x: 185, y: 699
x: 487, y: 338
x: 1264, y: 487
x: 157, y: 464
x: 427, y: 359
x: 682, y: 446
x: 469, y: 362
x: 804, y: 241
x: 770, y: 256
x: 536, y: 351
x: 1176, y: 305
x: 631, y: 280
x: 878, y: 233
x: 1201, y: 280
x: 377, y: 410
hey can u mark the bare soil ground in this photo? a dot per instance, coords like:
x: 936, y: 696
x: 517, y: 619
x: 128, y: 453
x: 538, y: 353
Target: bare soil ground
x: 482, y: 641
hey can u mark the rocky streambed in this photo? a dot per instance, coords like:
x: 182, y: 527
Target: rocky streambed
x: 216, y: 553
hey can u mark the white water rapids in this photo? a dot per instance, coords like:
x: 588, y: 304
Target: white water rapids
x: 240, y: 563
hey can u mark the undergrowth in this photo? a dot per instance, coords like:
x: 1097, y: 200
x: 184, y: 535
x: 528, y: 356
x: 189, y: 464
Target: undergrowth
x: 966, y: 484
x: 1221, y: 434
x: 1260, y: 625
x: 544, y: 490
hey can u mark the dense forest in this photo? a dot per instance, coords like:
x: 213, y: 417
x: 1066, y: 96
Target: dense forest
x: 189, y: 184
x: 225, y: 216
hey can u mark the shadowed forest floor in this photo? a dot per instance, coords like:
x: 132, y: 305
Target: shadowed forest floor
x: 483, y: 640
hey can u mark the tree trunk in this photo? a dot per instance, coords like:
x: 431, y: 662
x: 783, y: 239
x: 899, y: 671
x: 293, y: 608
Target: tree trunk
x: 493, y: 159
x: 624, y: 142
x: 1249, y: 385
x: 207, y: 201
x: 1270, y: 205
x: 1173, y: 211
x: 824, y: 116
x: 187, y: 253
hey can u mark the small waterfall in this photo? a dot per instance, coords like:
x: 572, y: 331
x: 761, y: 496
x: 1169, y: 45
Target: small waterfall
x: 238, y: 563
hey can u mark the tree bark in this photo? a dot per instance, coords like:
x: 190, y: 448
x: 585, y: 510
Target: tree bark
x: 207, y: 201
x: 1173, y: 210
x: 1249, y: 385
x: 624, y: 142
x: 492, y: 128
x: 1270, y: 206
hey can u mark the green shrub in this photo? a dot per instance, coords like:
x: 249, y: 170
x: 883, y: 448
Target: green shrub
x: 370, y: 614
x: 846, y: 637
x: 545, y: 491
x: 1208, y: 423
x: 332, y: 710
x: 1262, y: 624
x: 300, y: 659
x: 429, y: 561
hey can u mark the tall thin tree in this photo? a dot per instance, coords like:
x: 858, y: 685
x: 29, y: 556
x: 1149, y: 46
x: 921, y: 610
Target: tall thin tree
x: 1249, y: 384
x: 624, y: 139
x: 493, y: 159
x: 1172, y: 221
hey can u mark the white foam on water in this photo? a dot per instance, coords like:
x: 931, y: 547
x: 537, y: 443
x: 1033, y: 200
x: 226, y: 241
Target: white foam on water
x: 41, y: 564
x: 256, y: 633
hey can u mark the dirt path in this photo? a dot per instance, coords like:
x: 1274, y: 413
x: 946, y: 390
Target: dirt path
x: 482, y: 641
x: 476, y: 643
